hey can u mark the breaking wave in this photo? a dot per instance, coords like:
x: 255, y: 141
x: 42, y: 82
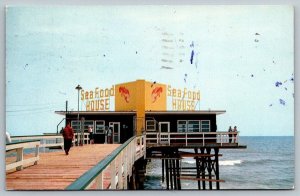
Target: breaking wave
x: 231, y: 162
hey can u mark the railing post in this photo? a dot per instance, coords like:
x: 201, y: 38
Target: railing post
x: 137, y: 146
x: 133, y: 150
x: 186, y: 138
x: 78, y: 138
x: 99, y: 181
x: 221, y: 139
x: 129, y: 157
x: 120, y: 173
x: 37, y: 153
x: 113, y: 174
x: 20, y: 158
x: 144, y: 147
x: 125, y: 167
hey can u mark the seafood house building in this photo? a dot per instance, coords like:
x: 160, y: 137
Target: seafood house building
x: 141, y: 107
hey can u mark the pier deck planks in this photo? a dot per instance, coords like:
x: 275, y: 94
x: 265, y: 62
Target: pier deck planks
x: 55, y: 170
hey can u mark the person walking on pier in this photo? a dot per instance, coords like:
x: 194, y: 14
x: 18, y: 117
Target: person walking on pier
x: 235, y: 134
x: 91, y: 134
x: 68, y: 135
x: 230, y: 135
x: 109, y: 135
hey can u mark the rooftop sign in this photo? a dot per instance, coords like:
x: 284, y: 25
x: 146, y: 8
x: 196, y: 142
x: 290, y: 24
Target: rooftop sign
x: 149, y: 96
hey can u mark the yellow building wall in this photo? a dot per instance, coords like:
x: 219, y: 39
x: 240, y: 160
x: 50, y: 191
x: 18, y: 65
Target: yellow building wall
x: 140, y: 96
x: 125, y: 96
x: 155, y: 96
x: 140, y: 106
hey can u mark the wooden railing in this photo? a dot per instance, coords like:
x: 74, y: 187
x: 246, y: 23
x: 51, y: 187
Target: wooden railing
x: 112, y: 171
x: 77, y: 136
x: 189, y: 138
x: 18, y: 149
x: 45, y: 140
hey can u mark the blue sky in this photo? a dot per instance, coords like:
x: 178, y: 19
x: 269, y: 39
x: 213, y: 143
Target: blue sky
x: 240, y: 52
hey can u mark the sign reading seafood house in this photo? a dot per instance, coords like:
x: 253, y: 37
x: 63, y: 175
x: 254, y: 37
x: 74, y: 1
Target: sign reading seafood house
x: 183, y: 99
x: 126, y: 94
x: 98, y: 99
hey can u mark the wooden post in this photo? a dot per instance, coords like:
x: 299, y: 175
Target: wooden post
x: 20, y: 158
x: 170, y: 170
x: 217, y: 167
x: 133, y: 150
x: 113, y: 174
x: 198, y: 171
x: 99, y: 181
x: 209, y: 167
x: 202, y: 167
x: 174, y: 174
x: 167, y: 173
x: 125, y: 167
x: 186, y: 141
x: 178, y: 175
x: 133, y: 176
x: 129, y: 160
x: 120, y: 174
x: 37, y: 153
x: 197, y: 168
x: 162, y: 170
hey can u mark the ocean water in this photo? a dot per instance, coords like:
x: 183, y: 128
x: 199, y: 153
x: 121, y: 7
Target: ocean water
x: 266, y: 163
x: 41, y: 149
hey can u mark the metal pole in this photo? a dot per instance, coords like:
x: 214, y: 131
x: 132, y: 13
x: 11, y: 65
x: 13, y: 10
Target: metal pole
x: 78, y: 107
x: 78, y: 87
x: 78, y: 124
x: 82, y: 130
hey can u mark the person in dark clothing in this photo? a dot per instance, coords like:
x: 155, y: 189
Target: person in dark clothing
x: 91, y: 134
x: 230, y: 134
x: 109, y: 135
x: 234, y: 135
x: 62, y: 130
x: 68, y: 135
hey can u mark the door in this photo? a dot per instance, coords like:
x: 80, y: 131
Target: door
x: 115, y: 132
x: 164, y: 130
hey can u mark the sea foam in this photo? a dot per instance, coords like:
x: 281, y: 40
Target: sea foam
x: 230, y: 162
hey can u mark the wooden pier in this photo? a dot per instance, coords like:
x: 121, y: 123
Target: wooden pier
x: 55, y: 170
x: 87, y: 167
x: 116, y: 166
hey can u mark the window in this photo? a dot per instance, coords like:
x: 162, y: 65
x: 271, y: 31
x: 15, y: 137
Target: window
x: 193, y: 126
x: 150, y: 125
x: 100, y: 126
x: 88, y: 123
x: 205, y: 125
x: 181, y: 126
x: 75, y: 124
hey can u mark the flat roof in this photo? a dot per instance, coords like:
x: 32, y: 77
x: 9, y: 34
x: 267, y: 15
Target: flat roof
x: 197, y: 112
x: 188, y: 112
x: 96, y: 112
